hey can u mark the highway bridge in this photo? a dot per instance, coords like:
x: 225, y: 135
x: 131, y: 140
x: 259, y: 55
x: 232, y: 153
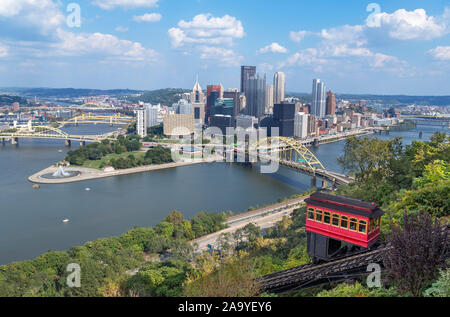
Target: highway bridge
x: 295, y: 155
x: 56, y: 133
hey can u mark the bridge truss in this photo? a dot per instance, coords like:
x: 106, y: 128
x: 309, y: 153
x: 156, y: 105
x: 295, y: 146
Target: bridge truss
x: 289, y: 150
x: 89, y: 118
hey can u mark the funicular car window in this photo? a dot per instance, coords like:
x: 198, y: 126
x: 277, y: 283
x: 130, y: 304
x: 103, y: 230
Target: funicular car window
x: 344, y: 222
x: 311, y: 213
x: 362, y: 226
x: 353, y: 224
x: 319, y: 215
x: 335, y: 220
x: 327, y: 217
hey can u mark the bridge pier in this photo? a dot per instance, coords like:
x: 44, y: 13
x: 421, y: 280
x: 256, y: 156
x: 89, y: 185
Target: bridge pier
x: 3, y: 141
x: 14, y: 141
x: 324, y: 184
x: 68, y: 143
x: 316, y: 142
x: 314, y: 182
x: 82, y: 143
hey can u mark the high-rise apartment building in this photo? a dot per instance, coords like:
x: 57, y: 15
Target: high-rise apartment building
x: 279, y: 87
x: 141, y: 123
x: 331, y: 104
x: 151, y: 112
x: 318, y: 107
x: 246, y: 72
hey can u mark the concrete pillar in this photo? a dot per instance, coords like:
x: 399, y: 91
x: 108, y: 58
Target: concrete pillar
x: 14, y: 141
x: 82, y: 143
x: 314, y: 182
x: 316, y: 142
x: 3, y: 141
x: 68, y: 143
x: 324, y: 184
x: 420, y: 134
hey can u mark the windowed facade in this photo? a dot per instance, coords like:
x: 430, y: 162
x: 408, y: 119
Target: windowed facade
x: 343, y: 222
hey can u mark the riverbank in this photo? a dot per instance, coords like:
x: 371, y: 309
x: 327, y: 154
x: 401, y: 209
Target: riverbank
x: 90, y: 173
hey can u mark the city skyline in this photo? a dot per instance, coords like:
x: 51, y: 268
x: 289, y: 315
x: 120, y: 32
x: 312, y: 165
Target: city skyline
x: 146, y: 45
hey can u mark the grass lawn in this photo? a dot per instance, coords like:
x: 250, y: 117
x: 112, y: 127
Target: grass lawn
x: 96, y: 164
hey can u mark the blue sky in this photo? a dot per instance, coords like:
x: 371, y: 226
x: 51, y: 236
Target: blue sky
x: 397, y: 47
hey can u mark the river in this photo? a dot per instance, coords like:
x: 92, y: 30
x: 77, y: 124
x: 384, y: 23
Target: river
x: 31, y: 220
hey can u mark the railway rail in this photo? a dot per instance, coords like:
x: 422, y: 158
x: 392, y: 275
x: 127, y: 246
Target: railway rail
x: 311, y: 275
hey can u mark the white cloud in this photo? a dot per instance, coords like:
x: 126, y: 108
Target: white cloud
x: 411, y: 25
x: 121, y: 29
x: 43, y: 16
x: 206, y: 29
x: 441, y: 53
x: 126, y: 4
x: 226, y: 56
x: 105, y: 45
x: 273, y: 48
x: 148, y: 17
x: 345, y: 34
x: 298, y: 36
x: 3, y: 51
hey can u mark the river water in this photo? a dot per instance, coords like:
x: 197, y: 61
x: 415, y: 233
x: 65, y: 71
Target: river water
x: 31, y: 220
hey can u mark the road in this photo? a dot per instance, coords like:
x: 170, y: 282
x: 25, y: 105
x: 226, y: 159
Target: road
x: 264, y: 218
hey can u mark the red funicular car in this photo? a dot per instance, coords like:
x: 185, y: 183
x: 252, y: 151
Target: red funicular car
x: 332, y: 220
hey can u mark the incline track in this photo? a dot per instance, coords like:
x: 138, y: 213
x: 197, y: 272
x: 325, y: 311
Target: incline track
x: 312, y: 275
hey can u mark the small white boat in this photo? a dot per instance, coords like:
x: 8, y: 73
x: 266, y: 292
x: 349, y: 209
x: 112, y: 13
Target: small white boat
x: 60, y: 151
x: 66, y: 220
x: 87, y: 189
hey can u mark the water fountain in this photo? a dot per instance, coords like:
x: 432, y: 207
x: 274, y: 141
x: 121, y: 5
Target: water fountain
x: 61, y: 173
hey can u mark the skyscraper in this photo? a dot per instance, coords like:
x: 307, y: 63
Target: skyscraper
x: 318, y: 107
x: 331, y: 103
x: 279, y: 87
x: 197, y: 94
x: 256, y: 96
x: 269, y: 99
x: 213, y: 92
x: 283, y: 117
x: 246, y: 72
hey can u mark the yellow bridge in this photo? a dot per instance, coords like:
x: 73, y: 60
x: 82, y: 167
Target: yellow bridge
x: 89, y: 118
x: 293, y: 154
x: 55, y: 133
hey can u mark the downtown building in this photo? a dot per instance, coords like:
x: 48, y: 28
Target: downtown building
x: 331, y: 104
x: 256, y: 96
x: 318, y: 106
x: 279, y: 87
x: 246, y: 73
x: 301, y: 125
x: 284, y: 118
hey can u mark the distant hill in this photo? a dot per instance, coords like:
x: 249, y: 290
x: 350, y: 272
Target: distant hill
x: 10, y: 99
x: 386, y: 100
x: 166, y: 96
x: 73, y: 93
